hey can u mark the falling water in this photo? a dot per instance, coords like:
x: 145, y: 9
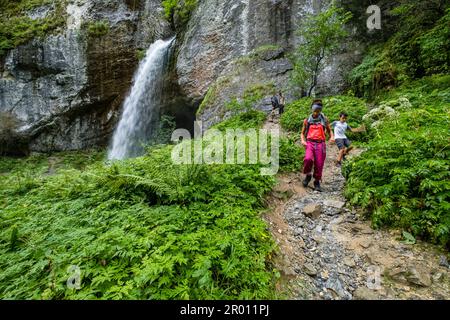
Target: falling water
x: 140, y: 118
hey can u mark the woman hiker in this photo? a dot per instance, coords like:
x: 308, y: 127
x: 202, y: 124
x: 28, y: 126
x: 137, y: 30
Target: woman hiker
x: 313, y: 138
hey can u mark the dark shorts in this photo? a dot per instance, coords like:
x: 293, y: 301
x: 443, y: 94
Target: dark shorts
x: 343, y: 143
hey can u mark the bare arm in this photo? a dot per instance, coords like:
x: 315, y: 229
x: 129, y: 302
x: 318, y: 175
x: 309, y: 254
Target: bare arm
x: 360, y: 129
x: 303, y: 134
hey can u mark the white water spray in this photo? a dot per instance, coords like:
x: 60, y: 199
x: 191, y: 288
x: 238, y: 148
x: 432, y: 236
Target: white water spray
x: 140, y: 118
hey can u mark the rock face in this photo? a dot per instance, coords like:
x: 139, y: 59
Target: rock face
x: 258, y: 74
x: 65, y: 90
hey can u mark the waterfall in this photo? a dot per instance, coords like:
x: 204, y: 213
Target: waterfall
x: 141, y: 109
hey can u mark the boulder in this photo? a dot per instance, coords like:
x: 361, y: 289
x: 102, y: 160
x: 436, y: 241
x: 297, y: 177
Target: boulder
x: 334, y: 204
x: 312, y: 211
x: 364, y: 293
x: 415, y: 275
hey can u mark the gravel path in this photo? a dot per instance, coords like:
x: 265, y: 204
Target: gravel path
x: 328, y: 251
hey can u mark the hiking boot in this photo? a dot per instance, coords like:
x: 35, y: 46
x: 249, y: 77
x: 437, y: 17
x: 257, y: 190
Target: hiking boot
x: 317, y: 186
x: 307, y: 181
x: 338, y: 163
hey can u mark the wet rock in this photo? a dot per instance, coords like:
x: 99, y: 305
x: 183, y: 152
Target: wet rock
x: 364, y: 293
x: 312, y: 210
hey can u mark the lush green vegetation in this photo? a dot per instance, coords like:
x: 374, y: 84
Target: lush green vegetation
x: 249, y: 98
x: 142, y: 228
x: 245, y: 120
x: 138, y: 229
x: 297, y: 111
x: 16, y: 27
x: 406, y: 78
x: 179, y: 11
x: 408, y: 183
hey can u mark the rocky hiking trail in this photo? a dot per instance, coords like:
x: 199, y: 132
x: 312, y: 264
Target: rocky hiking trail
x: 327, y: 250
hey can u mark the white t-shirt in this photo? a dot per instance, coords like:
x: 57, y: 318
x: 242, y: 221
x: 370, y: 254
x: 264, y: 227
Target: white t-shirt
x: 339, y: 129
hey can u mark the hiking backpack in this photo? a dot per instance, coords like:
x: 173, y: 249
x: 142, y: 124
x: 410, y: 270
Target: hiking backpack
x: 323, y: 121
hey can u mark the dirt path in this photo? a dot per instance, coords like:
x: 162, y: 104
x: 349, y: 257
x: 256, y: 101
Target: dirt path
x: 328, y: 251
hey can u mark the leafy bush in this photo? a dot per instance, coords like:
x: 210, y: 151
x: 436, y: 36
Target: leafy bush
x: 296, y: 112
x: 435, y: 47
x: 321, y: 35
x: 291, y: 154
x: 249, y: 98
x: 408, y: 185
x: 212, y: 93
x: 377, y: 71
x: 97, y: 29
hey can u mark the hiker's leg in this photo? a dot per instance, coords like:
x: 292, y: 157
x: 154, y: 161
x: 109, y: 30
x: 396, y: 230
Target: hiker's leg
x: 319, y: 160
x: 308, y: 161
x: 349, y: 147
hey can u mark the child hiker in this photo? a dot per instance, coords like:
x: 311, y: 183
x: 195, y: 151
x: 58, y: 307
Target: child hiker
x: 342, y: 142
x: 313, y: 138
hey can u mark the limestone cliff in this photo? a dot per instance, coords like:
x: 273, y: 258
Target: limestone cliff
x: 66, y: 89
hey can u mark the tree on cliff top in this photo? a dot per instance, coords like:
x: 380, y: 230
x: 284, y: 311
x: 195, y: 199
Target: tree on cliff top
x: 322, y: 35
